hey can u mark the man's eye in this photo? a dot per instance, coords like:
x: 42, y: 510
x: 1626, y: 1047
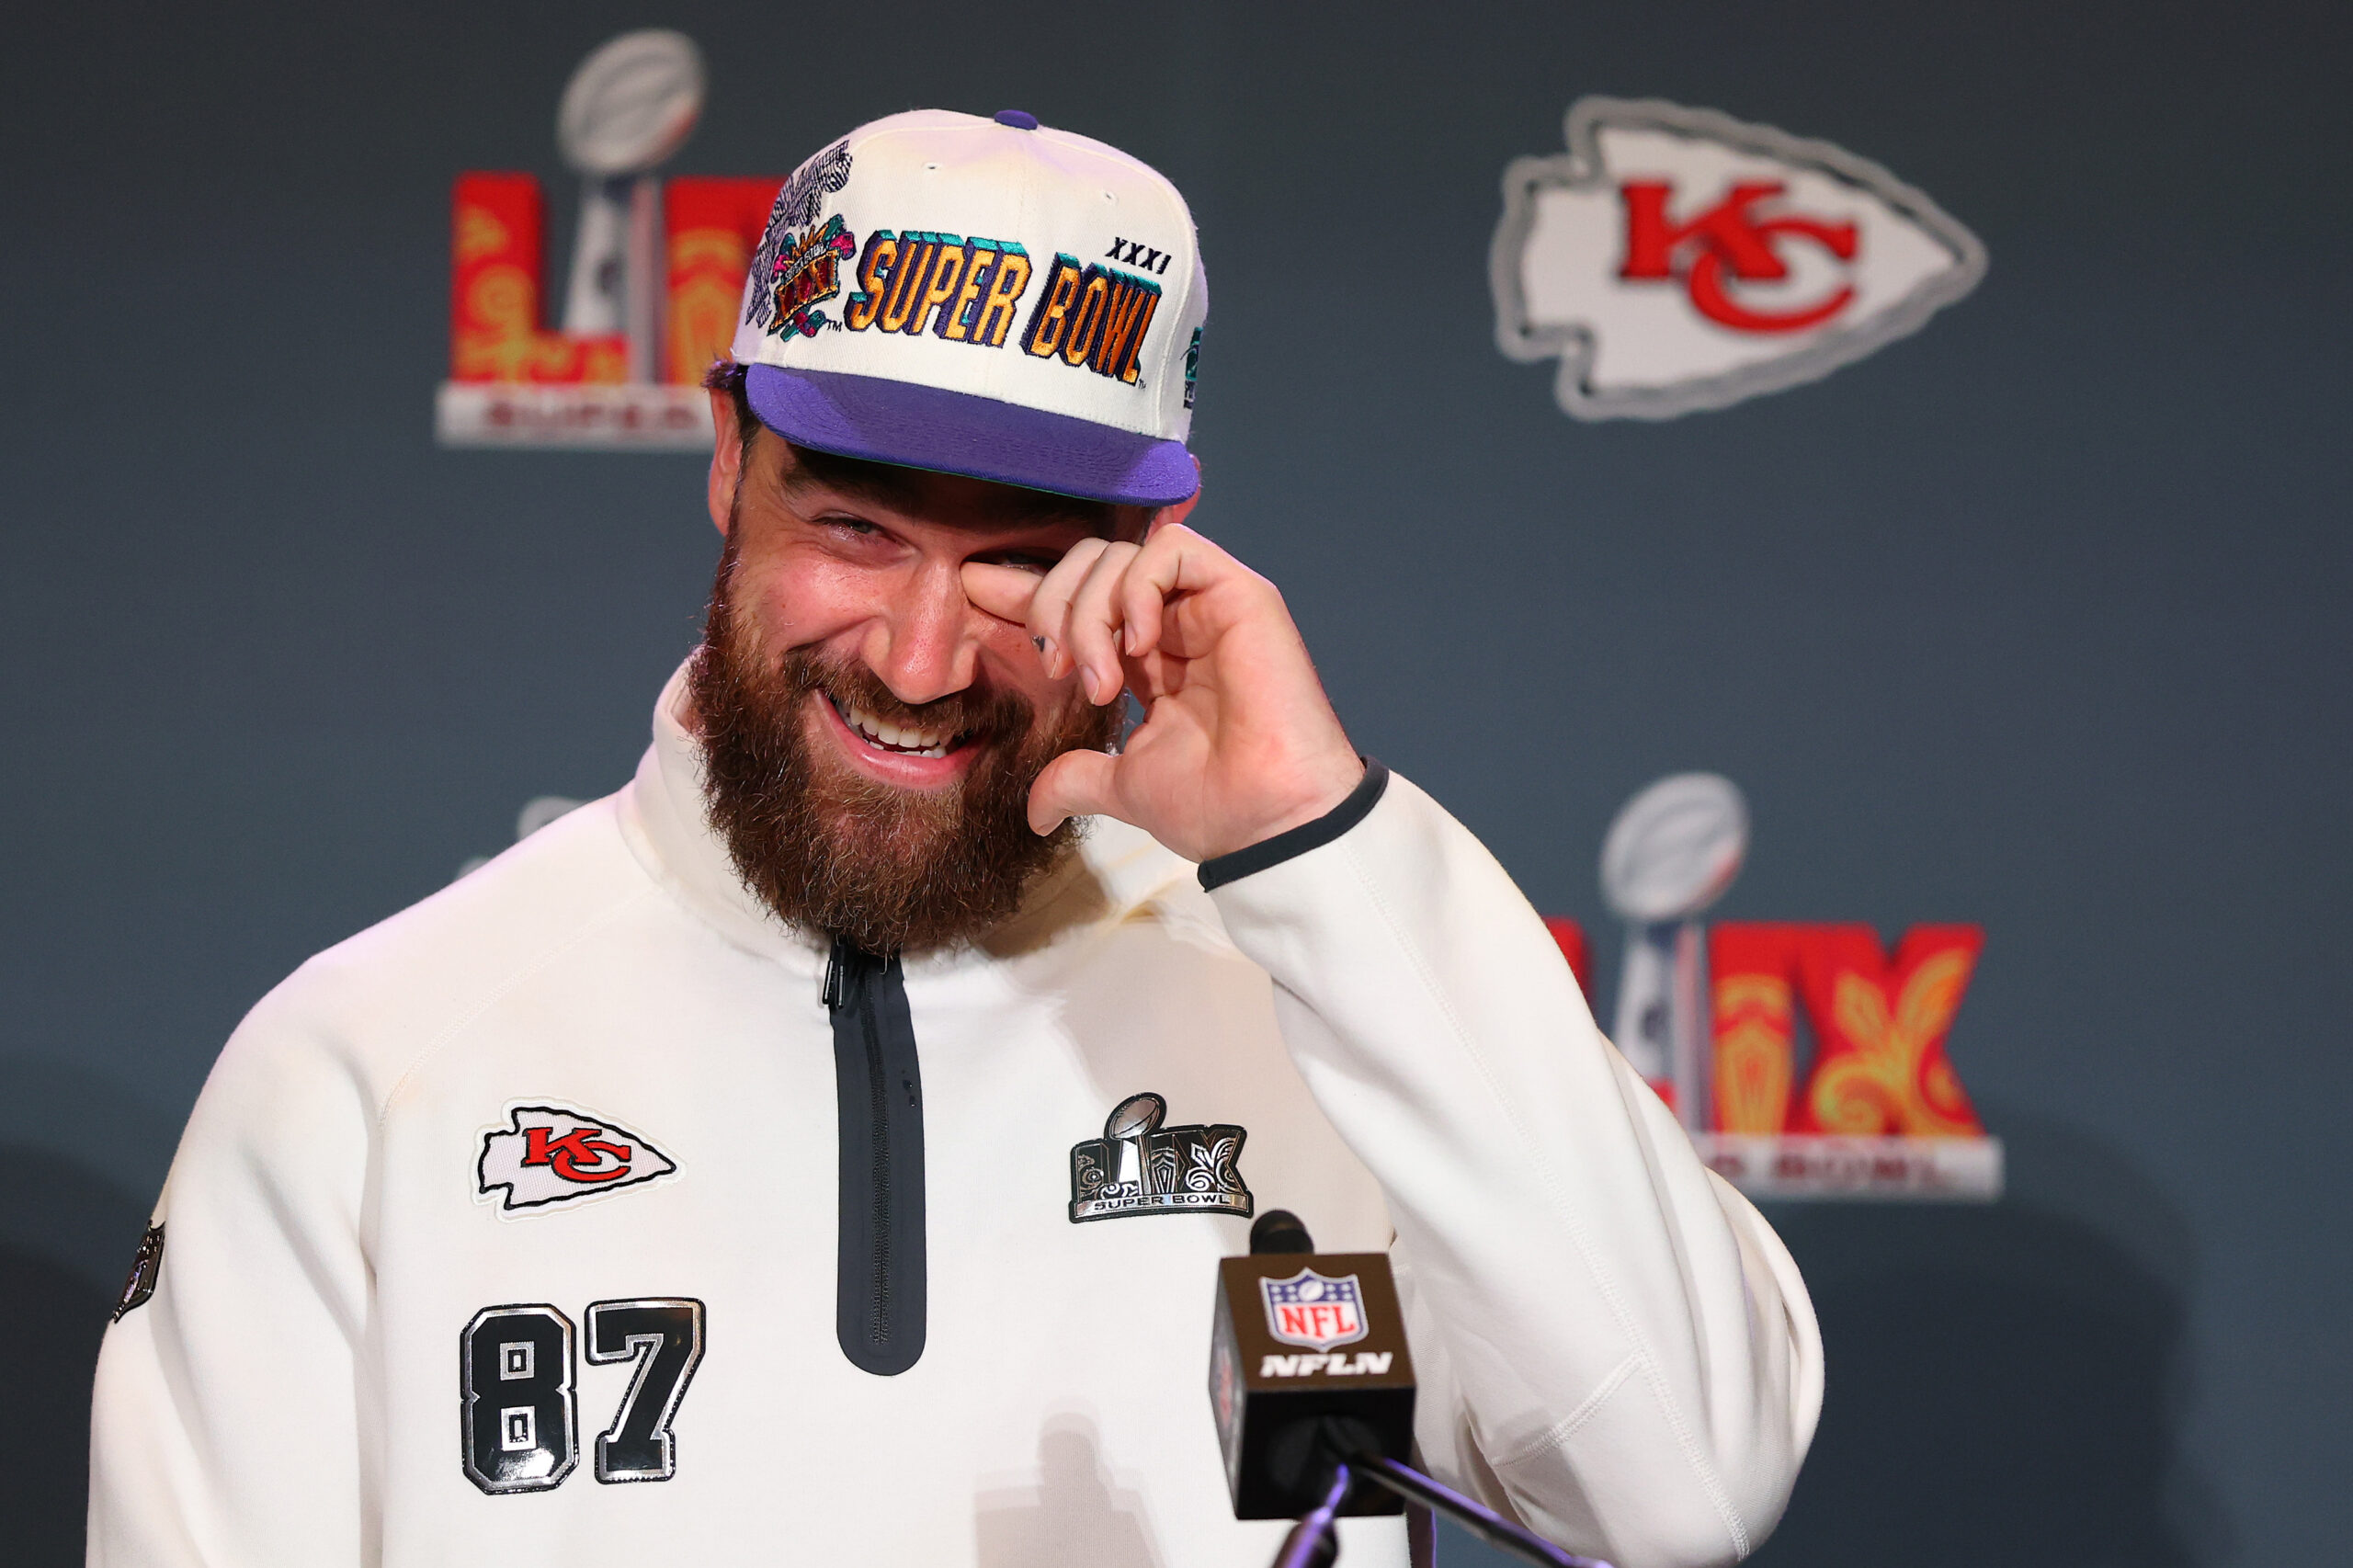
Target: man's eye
x: 1025, y: 559
x: 853, y: 525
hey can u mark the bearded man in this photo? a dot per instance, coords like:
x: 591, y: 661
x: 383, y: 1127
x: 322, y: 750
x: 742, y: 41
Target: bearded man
x: 820, y: 1150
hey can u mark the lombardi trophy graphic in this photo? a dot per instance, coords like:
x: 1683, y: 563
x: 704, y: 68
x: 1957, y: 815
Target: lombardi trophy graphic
x: 630, y: 107
x: 1672, y: 852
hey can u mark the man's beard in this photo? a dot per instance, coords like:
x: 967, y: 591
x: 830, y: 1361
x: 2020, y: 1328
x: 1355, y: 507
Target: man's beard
x: 828, y: 848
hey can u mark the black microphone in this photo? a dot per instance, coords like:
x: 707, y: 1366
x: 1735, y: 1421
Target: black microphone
x: 1308, y: 1366
x: 1313, y: 1387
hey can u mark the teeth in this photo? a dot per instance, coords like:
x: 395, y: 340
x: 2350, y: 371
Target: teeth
x: 893, y: 737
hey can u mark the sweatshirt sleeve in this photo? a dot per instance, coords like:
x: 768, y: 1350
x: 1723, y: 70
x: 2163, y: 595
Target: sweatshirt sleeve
x: 225, y: 1424
x: 1612, y: 1345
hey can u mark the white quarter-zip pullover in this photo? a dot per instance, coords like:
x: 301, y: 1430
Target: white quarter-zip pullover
x: 541, y: 1176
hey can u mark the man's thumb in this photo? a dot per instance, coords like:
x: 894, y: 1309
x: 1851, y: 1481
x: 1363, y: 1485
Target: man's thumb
x: 1076, y: 784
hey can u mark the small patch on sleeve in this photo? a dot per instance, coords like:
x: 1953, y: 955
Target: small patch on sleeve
x: 143, y: 1269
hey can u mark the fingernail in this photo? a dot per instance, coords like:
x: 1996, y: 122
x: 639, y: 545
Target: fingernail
x: 1127, y: 639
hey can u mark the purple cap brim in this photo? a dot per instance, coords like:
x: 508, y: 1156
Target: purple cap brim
x: 951, y: 432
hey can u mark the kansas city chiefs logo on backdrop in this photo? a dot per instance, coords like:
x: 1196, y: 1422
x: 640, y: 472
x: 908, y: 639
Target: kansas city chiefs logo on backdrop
x: 1677, y: 259
x: 550, y: 1153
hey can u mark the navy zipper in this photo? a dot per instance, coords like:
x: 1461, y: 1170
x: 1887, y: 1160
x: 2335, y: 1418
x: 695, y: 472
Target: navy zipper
x: 879, y: 1302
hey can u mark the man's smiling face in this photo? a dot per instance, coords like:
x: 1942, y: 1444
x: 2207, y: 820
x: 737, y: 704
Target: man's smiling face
x: 869, y: 734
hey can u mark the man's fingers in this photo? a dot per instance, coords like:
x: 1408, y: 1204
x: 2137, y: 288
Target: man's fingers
x: 1104, y: 610
x: 1049, y: 609
x: 1120, y: 610
x: 1094, y: 623
x: 1175, y: 561
x: 1004, y: 591
x: 1141, y: 603
x: 1076, y: 784
x: 1139, y: 608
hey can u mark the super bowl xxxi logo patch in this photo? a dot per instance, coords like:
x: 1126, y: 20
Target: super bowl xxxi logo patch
x: 548, y: 1155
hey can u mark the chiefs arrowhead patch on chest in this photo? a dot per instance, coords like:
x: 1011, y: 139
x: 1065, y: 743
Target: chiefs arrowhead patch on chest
x: 550, y: 1155
x: 1140, y: 1167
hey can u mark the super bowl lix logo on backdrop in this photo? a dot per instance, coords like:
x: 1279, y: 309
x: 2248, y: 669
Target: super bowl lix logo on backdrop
x: 656, y: 273
x: 1805, y: 1059
x: 1676, y: 259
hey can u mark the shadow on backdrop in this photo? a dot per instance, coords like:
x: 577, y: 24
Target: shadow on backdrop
x: 2004, y: 1383
x: 67, y: 1235
x: 60, y: 1220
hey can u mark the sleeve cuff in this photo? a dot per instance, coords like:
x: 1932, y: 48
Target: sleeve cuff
x: 1294, y: 842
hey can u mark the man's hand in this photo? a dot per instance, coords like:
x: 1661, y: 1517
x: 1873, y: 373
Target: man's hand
x: 1238, y: 742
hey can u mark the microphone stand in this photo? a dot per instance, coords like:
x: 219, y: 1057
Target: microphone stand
x: 1312, y: 1544
x: 1485, y: 1523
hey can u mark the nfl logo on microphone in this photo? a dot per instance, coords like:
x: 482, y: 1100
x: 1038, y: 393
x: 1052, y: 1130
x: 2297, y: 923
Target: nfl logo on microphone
x: 1315, y: 1309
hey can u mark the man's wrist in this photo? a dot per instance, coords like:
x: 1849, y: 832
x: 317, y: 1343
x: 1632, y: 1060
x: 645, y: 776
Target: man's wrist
x: 1293, y: 842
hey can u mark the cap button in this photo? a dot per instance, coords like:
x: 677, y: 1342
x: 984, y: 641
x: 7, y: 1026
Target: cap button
x: 1020, y: 118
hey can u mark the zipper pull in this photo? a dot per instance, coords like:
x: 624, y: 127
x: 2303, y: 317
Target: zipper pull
x: 837, y: 962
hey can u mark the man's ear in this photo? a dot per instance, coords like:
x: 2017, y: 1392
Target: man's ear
x: 726, y: 459
x: 1178, y: 511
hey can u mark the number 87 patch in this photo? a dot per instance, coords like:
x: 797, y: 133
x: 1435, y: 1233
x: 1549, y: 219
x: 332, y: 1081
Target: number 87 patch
x: 522, y: 1413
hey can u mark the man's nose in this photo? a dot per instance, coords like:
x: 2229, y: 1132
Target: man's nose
x: 927, y: 643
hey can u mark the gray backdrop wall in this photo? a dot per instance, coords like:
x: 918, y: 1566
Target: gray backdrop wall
x: 2037, y: 619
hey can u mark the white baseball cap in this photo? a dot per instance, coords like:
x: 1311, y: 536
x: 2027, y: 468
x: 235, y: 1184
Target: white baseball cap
x: 982, y: 297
